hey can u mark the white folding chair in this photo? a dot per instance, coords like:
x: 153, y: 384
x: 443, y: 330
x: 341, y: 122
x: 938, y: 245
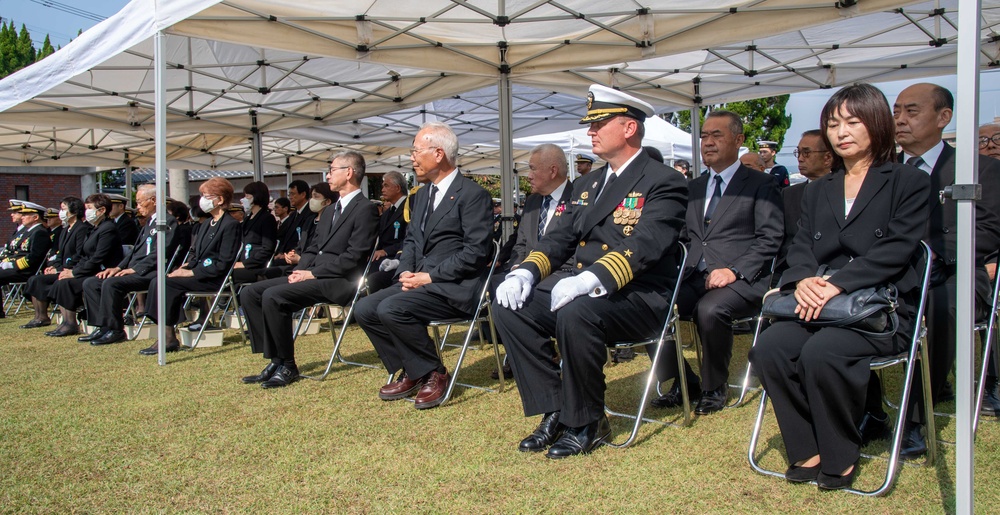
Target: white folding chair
x: 668, y: 333
x: 916, y: 352
x: 226, y: 290
x: 987, y: 332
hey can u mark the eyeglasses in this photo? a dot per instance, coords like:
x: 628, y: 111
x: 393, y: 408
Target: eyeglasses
x: 332, y: 168
x: 984, y: 141
x: 806, y: 151
x: 414, y: 151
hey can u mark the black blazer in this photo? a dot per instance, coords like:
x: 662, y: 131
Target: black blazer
x: 455, y: 245
x: 215, y: 248
x: 128, y: 229
x: 103, y: 249
x: 392, y: 231
x: 259, y: 234
x: 626, y: 236
x: 71, y: 245
x: 745, y: 233
x: 142, y: 258
x: 868, y: 247
x: 791, y: 199
x: 527, y: 232
x: 300, y: 231
x: 286, y: 231
x: 343, y: 248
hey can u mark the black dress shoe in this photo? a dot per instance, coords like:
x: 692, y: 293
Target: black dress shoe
x: 991, y: 402
x: 946, y: 394
x: 128, y: 320
x: 284, y: 376
x: 264, y: 375
x: 874, y: 426
x: 673, y: 398
x: 580, y: 440
x: 507, y: 373
x: 154, y: 349
x: 68, y: 330
x: 827, y: 482
x: 36, y: 323
x: 914, y: 445
x: 110, y: 336
x: 53, y: 332
x: 92, y: 336
x: 712, y: 401
x: 543, y: 436
x: 796, y: 474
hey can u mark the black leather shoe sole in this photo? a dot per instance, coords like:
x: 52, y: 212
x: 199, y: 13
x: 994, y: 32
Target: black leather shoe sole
x: 110, y: 337
x: 264, y: 375
x: 65, y: 332
x: 91, y: 337
x: 402, y: 395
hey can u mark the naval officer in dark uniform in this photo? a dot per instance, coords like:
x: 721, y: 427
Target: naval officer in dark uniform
x: 626, y: 220
x: 26, y: 251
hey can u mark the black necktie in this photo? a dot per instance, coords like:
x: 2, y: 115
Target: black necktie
x: 430, y: 207
x: 607, y: 184
x: 916, y: 161
x: 336, y: 214
x: 542, y: 215
x: 716, y: 195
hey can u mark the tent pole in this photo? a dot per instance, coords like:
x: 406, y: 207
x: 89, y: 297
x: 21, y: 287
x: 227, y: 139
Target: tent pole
x: 695, y: 141
x: 258, y: 150
x: 507, y: 179
x: 159, y: 57
x: 966, y: 172
x: 128, y: 186
x: 288, y: 173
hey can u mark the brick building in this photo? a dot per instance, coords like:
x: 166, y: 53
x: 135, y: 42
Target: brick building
x: 45, y: 186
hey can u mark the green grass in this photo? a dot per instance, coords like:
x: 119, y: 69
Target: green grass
x: 103, y: 429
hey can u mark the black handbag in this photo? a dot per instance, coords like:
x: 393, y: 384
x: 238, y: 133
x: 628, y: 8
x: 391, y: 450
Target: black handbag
x: 870, y: 311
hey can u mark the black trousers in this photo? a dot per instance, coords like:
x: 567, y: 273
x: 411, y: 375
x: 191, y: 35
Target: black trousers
x: 269, y: 306
x: 817, y: 380
x: 38, y: 286
x: 396, y: 323
x: 583, y: 329
x: 106, y: 298
x: 12, y: 277
x: 176, y: 288
x: 713, y: 312
x: 379, y: 280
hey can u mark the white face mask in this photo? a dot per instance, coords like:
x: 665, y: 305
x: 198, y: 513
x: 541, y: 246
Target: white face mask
x: 245, y: 202
x: 316, y: 205
x: 206, y: 205
x: 91, y: 215
x: 63, y: 215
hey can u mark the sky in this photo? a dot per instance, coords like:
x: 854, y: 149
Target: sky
x: 51, y: 17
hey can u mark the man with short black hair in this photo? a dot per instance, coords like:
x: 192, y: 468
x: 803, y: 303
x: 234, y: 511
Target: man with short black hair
x: 128, y: 229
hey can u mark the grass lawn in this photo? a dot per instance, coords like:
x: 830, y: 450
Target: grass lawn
x: 103, y: 429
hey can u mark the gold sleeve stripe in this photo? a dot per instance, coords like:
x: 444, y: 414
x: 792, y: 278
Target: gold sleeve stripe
x: 541, y: 261
x: 619, y: 267
x: 22, y: 263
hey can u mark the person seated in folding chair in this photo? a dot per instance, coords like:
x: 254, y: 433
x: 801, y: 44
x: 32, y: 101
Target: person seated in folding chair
x: 55, y: 226
x: 863, y: 221
x: 216, y: 246
x: 69, y: 252
x: 14, y: 208
x: 327, y: 272
x: 128, y: 229
x: 27, y: 251
x: 734, y: 226
x: 101, y: 250
x: 106, y: 292
x: 626, y: 220
x: 320, y: 197
x: 445, y: 254
x: 259, y: 233
x: 391, y: 231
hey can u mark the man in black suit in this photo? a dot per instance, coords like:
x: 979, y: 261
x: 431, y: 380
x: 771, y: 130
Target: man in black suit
x: 128, y: 229
x: 105, y: 293
x: 545, y: 206
x: 391, y: 231
x: 445, y: 253
x: 815, y: 161
x: 734, y: 226
x: 285, y: 217
x: 623, y: 226
x: 299, y: 196
x: 327, y: 272
x: 922, y: 111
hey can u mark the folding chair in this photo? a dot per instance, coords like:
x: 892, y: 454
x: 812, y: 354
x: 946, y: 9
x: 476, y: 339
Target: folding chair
x: 349, y: 311
x: 989, y: 327
x: 475, y: 320
x: 131, y: 308
x: 16, y: 290
x: 668, y: 333
x: 917, y: 351
x: 226, y: 290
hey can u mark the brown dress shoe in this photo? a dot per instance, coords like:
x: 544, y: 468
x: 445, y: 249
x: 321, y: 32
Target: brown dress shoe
x: 432, y: 393
x: 400, y: 388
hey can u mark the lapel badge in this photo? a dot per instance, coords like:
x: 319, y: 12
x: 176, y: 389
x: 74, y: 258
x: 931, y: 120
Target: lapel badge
x: 585, y: 195
x: 627, y: 230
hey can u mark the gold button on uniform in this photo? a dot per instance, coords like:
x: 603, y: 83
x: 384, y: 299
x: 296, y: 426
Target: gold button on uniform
x: 583, y: 244
x: 579, y: 265
x: 604, y: 247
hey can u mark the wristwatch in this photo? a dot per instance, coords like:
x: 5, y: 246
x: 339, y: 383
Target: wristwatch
x: 735, y: 272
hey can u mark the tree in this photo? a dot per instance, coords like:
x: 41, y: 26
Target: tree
x: 763, y: 119
x: 17, y: 49
x: 46, y: 50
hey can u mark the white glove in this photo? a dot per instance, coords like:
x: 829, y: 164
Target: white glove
x: 388, y: 265
x: 514, y: 290
x: 7, y: 265
x: 570, y: 288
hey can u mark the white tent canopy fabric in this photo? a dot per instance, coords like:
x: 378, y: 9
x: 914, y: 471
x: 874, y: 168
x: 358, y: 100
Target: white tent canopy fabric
x: 672, y: 142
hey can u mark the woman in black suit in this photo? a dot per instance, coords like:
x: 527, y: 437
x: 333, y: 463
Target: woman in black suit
x: 865, y: 221
x: 103, y: 249
x: 70, y: 251
x: 214, y: 250
x: 260, y: 230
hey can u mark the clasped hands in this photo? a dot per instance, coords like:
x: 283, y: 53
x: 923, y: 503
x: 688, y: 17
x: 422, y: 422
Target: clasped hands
x: 514, y: 291
x: 812, y: 293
